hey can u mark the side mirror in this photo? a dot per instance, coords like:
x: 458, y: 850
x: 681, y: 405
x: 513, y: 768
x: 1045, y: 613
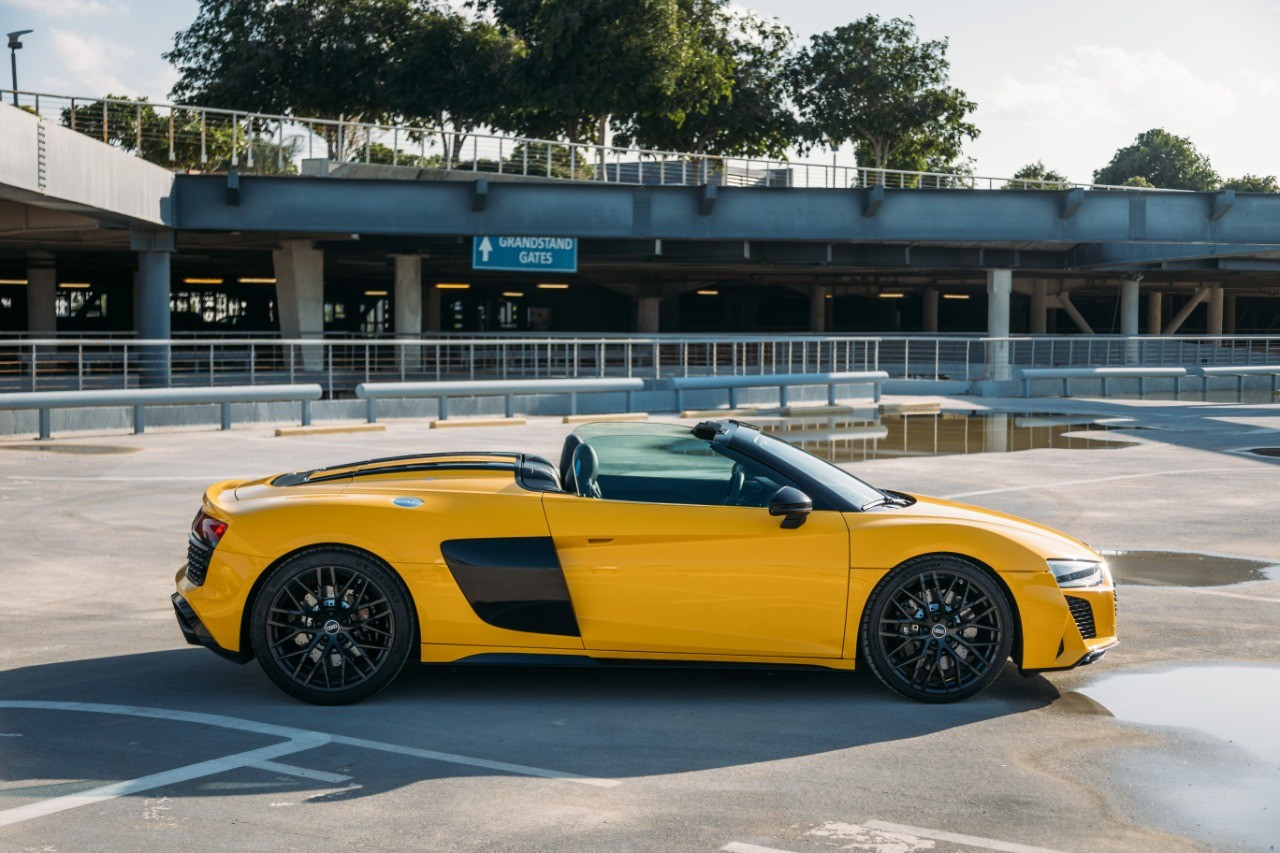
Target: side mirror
x: 791, y: 503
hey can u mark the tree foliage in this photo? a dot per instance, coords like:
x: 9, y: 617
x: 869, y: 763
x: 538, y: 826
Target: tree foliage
x: 1036, y: 176
x: 306, y: 57
x: 874, y: 84
x: 1163, y: 160
x: 1253, y: 184
x: 583, y: 65
x: 753, y: 117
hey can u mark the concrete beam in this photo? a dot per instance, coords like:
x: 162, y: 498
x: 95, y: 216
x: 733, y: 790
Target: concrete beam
x: 1181, y: 317
x: 1064, y: 300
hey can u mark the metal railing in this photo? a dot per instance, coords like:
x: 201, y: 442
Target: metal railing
x: 56, y: 364
x: 340, y: 365
x: 208, y: 139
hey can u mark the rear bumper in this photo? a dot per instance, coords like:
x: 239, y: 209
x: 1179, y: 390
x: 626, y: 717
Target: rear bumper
x: 194, y: 632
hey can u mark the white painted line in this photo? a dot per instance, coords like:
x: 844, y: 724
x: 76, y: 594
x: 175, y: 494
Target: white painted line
x: 956, y: 838
x: 302, y: 772
x: 522, y: 769
x: 301, y: 735
x: 9, y: 817
x: 1061, y: 483
x: 739, y: 847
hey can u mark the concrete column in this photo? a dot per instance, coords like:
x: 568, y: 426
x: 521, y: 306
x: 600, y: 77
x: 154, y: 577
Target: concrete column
x: 408, y: 309
x: 299, y: 268
x: 1229, y: 318
x: 931, y: 310
x: 1129, y: 317
x: 817, y: 309
x: 42, y: 291
x: 1039, y: 306
x: 1213, y: 323
x: 648, y: 314
x: 432, y: 316
x: 152, y: 301
x: 1155, y: 312
x: 999, y: 286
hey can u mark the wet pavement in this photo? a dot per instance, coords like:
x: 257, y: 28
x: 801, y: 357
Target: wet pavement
x: 871, y: 435
x: 1172, y: 568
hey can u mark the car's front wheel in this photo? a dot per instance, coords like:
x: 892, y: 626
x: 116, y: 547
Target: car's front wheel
x: 937, y: 629
x: 331, y: 626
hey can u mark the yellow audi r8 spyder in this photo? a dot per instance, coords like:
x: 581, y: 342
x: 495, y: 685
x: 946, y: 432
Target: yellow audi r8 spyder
x: 650, y: 543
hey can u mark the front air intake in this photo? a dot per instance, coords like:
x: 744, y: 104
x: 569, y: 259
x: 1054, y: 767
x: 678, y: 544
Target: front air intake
x: 1082, y: 612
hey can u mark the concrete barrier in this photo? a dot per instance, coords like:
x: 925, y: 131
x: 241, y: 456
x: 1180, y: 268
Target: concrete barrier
x: 1029, y: 374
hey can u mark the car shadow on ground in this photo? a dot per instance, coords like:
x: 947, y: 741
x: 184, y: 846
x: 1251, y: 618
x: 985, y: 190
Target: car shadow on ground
x: 613, y: 723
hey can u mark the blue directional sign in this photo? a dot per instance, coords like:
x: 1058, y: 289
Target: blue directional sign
x: 525, y: 254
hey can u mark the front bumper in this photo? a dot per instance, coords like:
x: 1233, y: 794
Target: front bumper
x: 1088, y: 631
x: 194, y: 632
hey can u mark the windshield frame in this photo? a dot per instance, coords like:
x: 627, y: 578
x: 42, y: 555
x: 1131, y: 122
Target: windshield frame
x: 840, y: 489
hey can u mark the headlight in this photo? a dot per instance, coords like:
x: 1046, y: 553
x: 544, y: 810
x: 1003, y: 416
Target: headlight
x: 1073, y: 574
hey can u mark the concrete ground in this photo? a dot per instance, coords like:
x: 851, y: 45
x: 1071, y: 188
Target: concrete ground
x: 544, y: 759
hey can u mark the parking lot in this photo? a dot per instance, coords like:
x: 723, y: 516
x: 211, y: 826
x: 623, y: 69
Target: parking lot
x: 114, y: 733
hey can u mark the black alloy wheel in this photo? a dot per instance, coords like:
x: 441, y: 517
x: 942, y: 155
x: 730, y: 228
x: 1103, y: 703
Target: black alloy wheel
x: 331, y: 626
x: 937, y: 629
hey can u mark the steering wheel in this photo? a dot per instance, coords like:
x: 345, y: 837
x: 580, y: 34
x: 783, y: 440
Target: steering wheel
x: 737, y: 479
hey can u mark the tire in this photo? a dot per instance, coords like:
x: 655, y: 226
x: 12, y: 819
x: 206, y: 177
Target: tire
x: 332, y: 626
x: 937, y: 629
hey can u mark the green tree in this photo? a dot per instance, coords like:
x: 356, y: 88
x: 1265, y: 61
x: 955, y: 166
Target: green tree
x: 451, y: 75
x: 753, y: 118
x: 1164, y: 160
x: 1138, y: 181
x: 1253, y: 184
x: 584, y: 66
x: 874, y: 84
x: 1035, y: 176
x: 315, y: 58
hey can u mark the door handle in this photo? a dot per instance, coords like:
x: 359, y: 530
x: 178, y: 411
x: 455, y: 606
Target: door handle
x: 600, y: 540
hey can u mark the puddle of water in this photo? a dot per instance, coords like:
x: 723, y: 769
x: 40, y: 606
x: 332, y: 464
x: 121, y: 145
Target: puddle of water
x: 1173, y: 568
x: 1235, y: 703
x: 862, y: 436
x: 86, y: 449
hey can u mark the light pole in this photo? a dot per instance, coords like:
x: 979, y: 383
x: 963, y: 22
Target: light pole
x: 14, y: 46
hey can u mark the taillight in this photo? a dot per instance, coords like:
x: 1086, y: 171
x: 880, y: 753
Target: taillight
x: 208, y: 529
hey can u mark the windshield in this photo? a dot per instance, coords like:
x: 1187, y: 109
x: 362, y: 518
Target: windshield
x: 838, y: 480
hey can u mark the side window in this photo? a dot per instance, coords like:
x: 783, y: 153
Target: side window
x: 678, y: 470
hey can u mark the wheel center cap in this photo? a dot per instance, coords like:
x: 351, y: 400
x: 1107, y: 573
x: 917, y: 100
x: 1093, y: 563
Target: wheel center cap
x: 332, y: 626
x: 939, y: 631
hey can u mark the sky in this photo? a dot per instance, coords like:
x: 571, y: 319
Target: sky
x: 1064, y: 83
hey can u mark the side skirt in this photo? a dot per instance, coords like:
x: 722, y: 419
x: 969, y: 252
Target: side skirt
x: 476, y: 655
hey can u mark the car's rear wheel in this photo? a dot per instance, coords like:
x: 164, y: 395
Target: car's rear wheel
x: 937, y: 629
x: 331, y: 626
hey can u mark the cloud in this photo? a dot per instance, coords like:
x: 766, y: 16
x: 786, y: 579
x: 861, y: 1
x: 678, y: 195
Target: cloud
x: 1103, y: 83
x: 1080, y: 106
x: 68, y: 8
x: 91, y: 62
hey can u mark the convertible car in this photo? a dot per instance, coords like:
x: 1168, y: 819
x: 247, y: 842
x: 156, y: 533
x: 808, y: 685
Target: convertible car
x: 649, y: 543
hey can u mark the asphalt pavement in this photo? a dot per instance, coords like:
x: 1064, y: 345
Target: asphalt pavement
x: 114, y: 734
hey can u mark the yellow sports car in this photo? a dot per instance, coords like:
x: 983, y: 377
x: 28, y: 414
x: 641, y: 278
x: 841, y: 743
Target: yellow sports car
x: 650, y: 543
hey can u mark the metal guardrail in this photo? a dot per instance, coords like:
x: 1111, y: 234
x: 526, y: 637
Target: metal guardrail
x: 207, y: 139
x: 442, y: 391
x: 1030, y: 374
x: 66, y: 364
x: 734, y: 384
x: 139, y: 399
